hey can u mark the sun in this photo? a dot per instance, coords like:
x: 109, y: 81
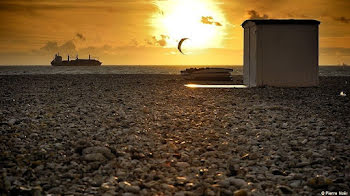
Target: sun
x: 179, y: 19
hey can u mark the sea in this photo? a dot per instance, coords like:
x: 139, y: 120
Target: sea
x: 141, y: 69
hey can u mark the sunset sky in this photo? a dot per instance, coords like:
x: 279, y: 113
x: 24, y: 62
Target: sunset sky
x: 146, y: 32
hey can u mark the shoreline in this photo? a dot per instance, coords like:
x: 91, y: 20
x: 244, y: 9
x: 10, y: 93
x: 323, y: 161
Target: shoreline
x: 172, y: 70
x: 147, y: 134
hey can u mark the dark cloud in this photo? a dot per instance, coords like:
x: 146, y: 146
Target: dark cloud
x: 80, y: 36
x: 96, y: 51
x: 158, y: 42
x: 253, y: 14
x: 342, y: 19
x: 33, y: 6
x: 52, y: 47
x: 210, y: 20
x: 68, y: 47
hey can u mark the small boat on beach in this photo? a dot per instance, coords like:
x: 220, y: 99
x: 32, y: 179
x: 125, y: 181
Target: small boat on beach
x: 211, y: 74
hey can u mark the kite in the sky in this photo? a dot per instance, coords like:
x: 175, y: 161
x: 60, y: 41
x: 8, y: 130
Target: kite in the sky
x: 180, y: 43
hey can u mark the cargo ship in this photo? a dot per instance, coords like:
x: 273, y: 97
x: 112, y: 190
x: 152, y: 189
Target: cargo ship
x: 57, y: 61
x: 209, y: 74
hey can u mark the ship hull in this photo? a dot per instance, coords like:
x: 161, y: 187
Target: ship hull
x: 72, y: 63
x: 78, y: 62
x: 211, y: 77
x: 209, y: 74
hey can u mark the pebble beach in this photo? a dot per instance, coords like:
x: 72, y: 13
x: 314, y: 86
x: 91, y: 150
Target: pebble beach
x: 141, y: 134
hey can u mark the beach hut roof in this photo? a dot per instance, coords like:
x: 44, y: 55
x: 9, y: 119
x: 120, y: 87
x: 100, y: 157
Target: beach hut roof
x: 282, y: 21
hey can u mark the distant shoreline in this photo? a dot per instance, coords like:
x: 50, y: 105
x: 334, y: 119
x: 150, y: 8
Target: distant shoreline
x: 139, y: 69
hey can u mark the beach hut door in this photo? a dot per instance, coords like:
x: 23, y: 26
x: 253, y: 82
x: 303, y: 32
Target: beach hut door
x: 252, y: 56
x: 250, y: 63
x: 246, y: 63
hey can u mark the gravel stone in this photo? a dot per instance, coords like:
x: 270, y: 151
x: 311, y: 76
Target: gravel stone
x: 149, y: 135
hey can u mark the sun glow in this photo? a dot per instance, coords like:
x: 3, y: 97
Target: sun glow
x: 199, y: 20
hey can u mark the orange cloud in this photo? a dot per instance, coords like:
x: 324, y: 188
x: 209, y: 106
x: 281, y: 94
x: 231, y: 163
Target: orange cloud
x: 255, y: 15
x: 210, y: 20
x: 158, y: 42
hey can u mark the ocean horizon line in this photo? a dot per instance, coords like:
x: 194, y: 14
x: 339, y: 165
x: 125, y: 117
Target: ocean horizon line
x: 149, y: 65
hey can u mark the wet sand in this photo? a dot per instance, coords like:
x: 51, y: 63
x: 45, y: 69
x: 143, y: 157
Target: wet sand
x: 150, y: 135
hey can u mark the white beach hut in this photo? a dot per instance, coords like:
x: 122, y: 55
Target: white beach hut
x: 280, y: 53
